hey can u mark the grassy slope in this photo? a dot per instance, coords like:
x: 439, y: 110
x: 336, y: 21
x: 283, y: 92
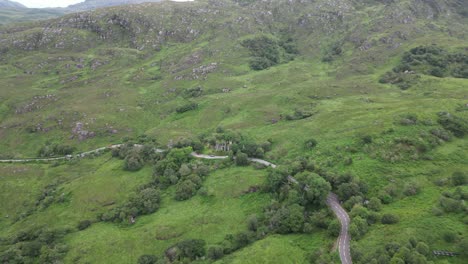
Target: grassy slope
x: 120, y: 95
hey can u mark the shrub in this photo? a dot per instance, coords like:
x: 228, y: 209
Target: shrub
x: 454, y: 124
x: 186, y: 108
x: 411, y: 189
x: 389, y: 219
x: 449, y: 236
x: 334, y: 228
x: 185, y: 190
x: 82, y: 225
x: 133, y: 162
x: 459, y: 178
x: 242, y: 159
x: 191, y: 249
x: 265, y: 51
x: 374, y: 204
x: 215, y: 252
x: 147, y: 259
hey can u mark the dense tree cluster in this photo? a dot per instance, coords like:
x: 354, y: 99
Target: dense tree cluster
x: 37, y: 244
x: 55, y: 150
x: 267, y: 51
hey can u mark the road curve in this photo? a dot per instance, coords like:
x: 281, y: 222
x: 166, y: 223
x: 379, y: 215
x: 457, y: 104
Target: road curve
x: 332, y: 199
x: 344, y: 238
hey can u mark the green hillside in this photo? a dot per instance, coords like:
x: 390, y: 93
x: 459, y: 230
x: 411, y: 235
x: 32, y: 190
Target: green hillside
x: 367, y: 99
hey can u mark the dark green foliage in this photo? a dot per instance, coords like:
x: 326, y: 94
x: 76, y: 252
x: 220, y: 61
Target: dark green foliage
x: 147, y: 259
x: 374, y: 204
x: 38, y: 244
x: 298, y: 115
x: 146, y: 201
x: 185, y: 190
x: 389, y: 219
x: 215, y: 252
x: 457, y: 125
x: 463, y: 247
x: 411, y: 188
x: 449, y: 236
x: 190, y: 249
x: 434, y: 61
x: 358, y: 227
x: 55, y: 150
x: 402, y: 80
x: 186, y: 108
x: 266, y: 51
x: 193, y: 92
x: 459, y: 178
x: 334, y: 228
x: 286, y: 220
x: 310, y: 143
x: 313, y: 188
x: 242, y: 159
x: 334, y: 51
x: 82, y: 225
x: 133, y: 161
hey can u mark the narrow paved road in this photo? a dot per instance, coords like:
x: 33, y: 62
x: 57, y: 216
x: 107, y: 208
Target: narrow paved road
x: 344, y: 238
x: 332, y: 199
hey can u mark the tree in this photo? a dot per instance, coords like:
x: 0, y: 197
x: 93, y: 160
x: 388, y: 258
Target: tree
x: 191, y: 249
x: 215, y: 252
x: 314, y: 187
x: 375, y: 204
x: 334, y: 228
x: 389, y: 219
x: 147, y: 259
x: 147, y: 201
x: 423, y: 249
x: 459, y: 178
x: 310, y: 144
x: 185, y: 190
x: 184, y: 170
x: 82, y: 225
x: 359, y: 227
x: 288, y: 219
x: 242, y: 159
x: 463, y: 247
x: 133, y: 162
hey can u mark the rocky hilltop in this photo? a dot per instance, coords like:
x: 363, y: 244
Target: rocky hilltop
x: 93, y: 4
x: 10, y: 4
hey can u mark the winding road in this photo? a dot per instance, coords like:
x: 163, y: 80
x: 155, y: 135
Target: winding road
x: 344, y: 238
x: 332, y: 199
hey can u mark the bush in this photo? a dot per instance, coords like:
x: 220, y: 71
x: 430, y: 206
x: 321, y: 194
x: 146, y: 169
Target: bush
x: 389, y: 219
x: 459, y: 178
x: 454, y: 124
x: 310, y: 144
x: 242, y: 159
x: 186, y: 108
x: 147, y: 259
x: 265, y: 51
x: 133, y: 162
x: 190, y: 249
x: 411, y: 189
x: 215, y: 252
x: 334, y: 228
x: 449, y: 236
x: 185, y: 190
x: 374, y: 204
x: 82, y: 225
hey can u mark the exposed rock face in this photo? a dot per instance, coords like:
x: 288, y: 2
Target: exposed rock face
x: 81, y: 134
x: 37, y: 103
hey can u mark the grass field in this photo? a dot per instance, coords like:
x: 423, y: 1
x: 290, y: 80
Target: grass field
x: 118, y: 83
